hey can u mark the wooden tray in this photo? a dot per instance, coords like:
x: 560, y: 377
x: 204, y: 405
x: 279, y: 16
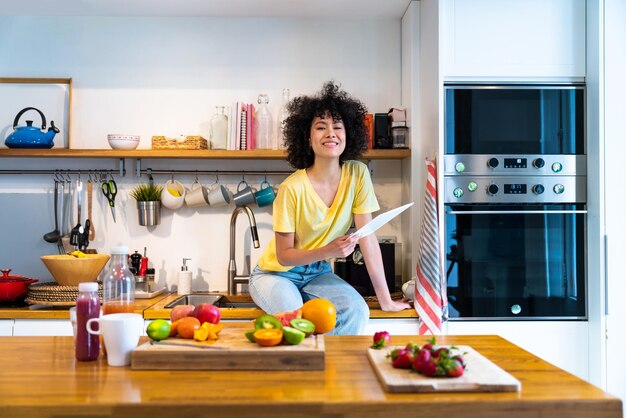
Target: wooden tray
x: 231, y: 352
x: 481, y: 375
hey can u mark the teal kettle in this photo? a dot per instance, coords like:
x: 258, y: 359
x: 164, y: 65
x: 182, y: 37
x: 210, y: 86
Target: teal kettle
x: 30, y: 136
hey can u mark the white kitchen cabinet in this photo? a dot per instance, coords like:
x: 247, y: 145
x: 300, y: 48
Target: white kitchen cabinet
x: 42, y: 327
x: 520, y: 40
x: 6, y: 327
x: 562, y: 343
x: 394, y: 326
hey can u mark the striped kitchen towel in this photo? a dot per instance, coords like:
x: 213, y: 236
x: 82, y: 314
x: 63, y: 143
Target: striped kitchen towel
x: 430, y: 290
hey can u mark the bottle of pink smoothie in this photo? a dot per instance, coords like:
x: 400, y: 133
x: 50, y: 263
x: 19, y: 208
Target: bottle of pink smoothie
x: 87, y: 346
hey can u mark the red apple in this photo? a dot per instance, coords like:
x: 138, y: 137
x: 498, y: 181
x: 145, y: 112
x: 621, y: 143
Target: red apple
x: 205, y: 312
x: 181, y: 311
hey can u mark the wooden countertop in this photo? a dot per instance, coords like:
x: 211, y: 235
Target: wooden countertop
x: 155, y: 308
x: 42, y: 379
x: 158, y: 310
x: 61, y: 312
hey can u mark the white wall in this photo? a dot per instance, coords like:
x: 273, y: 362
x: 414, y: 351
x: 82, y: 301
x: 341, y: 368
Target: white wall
x: 164, y: 76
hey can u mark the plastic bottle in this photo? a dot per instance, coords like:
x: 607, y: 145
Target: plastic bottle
x: 263, y: 124
x: 86, y: 346
x: 282, y: 115
x: 184, y: 279
x: 118, y: 291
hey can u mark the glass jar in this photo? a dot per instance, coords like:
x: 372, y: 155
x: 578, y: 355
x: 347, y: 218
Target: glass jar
x: 219, y: 129
x: 118, y: 293
x: 399, y: 136
x: 263, y: 120
x: 86, y: 345
x: 282, y: 116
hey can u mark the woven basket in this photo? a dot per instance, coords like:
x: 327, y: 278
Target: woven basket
x: 190, y: 142
x: 54, y: 294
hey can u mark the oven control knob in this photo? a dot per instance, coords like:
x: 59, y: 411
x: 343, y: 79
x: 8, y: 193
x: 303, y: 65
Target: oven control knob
x: 459, y: 167
x: 557, y: 167
x: 472, y: 186
x: 458, y: 193
x: 492, y: 189
x: 539, y: 163
x: 558, y: 188
x: 492, y: 162
x: 538, y: 189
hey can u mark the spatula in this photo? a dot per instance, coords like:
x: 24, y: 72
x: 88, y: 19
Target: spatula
x: 75, y: 232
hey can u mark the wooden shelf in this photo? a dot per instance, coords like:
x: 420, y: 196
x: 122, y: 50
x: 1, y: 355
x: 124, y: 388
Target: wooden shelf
x: 376, y: 154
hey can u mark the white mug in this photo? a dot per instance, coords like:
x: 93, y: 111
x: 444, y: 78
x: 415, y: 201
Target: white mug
x: 219, y: 196
x: 197, y: 195
x: 121, y: 334
x: 168, y: 199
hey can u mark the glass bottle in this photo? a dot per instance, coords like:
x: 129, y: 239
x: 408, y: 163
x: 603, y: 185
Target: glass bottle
x: 86, y: 346
x: 219, y: 129
x: 118, y: 293
x: 263, y: 124
x: 282, y: 115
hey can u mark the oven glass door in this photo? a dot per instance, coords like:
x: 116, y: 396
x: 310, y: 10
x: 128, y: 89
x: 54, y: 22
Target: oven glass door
x: 514, y: 120
x: 524, y: 262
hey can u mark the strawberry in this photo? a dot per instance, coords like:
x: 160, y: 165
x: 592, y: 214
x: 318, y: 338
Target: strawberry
x: 381, y: 338
x: 454, y: 368
x: 403, y: 360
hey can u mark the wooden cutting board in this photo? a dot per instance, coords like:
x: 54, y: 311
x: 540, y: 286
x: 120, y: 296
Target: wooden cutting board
x: 232, y: 351
x: 481, y: 375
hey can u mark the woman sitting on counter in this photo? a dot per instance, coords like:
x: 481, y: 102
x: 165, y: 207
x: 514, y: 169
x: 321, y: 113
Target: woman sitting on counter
x: 313, y: 210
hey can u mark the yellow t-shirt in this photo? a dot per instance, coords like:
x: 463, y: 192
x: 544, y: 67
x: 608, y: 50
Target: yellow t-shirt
x: 299, y: 209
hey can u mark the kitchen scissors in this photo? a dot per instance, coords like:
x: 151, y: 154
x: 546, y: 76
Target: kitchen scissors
x: 109, y: 190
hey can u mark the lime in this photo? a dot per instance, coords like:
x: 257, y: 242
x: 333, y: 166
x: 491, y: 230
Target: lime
x: 159, y: 329
x: 293, y: 336
x: 303, y: 325
x: 250, y: 335
x: 267, y: 321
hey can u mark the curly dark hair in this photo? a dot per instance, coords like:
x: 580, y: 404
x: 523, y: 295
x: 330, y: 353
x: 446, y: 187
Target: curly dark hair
x: 329, y: 101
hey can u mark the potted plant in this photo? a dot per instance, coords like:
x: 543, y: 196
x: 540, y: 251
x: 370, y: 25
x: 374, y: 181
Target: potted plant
x: 148, y: 197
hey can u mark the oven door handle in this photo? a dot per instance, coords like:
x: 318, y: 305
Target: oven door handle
x: 511, y: 212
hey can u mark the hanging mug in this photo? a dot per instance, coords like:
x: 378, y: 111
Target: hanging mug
x: 265, y: 196
x: 244, y: 195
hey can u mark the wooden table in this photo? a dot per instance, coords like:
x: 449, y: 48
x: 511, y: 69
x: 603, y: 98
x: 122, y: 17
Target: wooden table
x: 40, y: 378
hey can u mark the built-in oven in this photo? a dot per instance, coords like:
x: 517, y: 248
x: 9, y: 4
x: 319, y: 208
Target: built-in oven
x: 515, y: 202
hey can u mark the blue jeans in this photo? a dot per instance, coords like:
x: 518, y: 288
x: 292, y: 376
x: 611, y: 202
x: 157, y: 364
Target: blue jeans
x: 276, y: 292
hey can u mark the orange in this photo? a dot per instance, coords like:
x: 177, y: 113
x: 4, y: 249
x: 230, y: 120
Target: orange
x: 322, y: 313
x: 268, y: 337
x: 186, y: 326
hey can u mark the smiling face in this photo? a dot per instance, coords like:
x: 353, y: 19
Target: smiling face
x: 328, y: 137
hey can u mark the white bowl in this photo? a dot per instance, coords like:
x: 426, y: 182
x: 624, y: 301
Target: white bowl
x: 125, y: 142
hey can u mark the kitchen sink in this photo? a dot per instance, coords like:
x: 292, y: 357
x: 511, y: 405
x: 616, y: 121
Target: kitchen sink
x: 220, y: 301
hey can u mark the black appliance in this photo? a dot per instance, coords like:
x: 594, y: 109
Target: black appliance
x: 515, y: 202
x: 352, y: 269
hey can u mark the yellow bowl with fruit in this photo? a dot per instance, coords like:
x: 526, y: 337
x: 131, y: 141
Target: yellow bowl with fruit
x: 69, y: 270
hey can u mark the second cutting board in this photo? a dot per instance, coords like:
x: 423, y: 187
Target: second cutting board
x: 231, y: 352
x: 481, y: 375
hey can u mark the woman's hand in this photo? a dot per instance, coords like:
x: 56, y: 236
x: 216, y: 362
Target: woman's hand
x: 394, y: 305
x: 341, y: 247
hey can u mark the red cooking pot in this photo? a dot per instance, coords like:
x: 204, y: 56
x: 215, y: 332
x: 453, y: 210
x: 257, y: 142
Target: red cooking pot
x: 14, y: 288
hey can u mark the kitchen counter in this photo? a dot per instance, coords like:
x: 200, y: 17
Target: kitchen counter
x: 43, y: 380
x: 158, y: 310
x: 60, y: 312
x: 155, y: 308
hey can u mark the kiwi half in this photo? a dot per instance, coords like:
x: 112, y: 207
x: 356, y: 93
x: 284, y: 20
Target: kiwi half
x: 267, y: 321
x: 303, y: 325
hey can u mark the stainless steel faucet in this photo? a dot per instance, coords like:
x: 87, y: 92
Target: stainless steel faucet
x: 233, y: 278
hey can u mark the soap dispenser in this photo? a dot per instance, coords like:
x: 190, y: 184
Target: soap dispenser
x: 184, y: 279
